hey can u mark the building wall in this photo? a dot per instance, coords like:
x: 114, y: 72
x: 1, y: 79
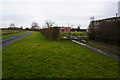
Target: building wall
x: 65, y: 29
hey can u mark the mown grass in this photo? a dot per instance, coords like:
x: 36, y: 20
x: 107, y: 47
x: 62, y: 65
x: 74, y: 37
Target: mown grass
x: 14, y: 34
x: 35, y: 57
x: 104, y: 48
x: 77, y: 33
x: 113, y: 51
x: 107, y: 44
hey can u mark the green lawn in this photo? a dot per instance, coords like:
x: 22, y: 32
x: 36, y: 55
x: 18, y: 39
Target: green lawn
x: 35, y: 57
x: 14, y: 34
x: 104, y: 48
x: 77, y: 33
x: 107, y: 44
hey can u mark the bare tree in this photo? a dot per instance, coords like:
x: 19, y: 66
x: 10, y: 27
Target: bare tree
x: 21, y: 27
x: 92, y: 18
x: 27, y: 28
x: 34, y: 25
x: 12, y: 25
x: 49, y: 23
x: 79, y: 26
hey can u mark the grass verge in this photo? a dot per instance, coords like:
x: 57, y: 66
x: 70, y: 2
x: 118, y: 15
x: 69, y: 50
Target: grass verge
x: 76, y: 33
x: 105, y: 48
x: 110, y: 45
x: 35, y: 57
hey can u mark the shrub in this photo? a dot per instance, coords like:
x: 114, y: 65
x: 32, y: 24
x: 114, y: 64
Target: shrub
x: 51, y: 33
x: 106, y: 30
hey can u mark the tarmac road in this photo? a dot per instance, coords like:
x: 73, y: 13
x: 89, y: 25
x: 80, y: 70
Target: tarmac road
x: 8, y: 41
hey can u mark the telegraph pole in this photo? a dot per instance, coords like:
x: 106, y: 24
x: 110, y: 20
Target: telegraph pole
x: 116, y: 14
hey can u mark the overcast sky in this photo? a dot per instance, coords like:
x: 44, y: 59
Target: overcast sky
x: 62, y: 12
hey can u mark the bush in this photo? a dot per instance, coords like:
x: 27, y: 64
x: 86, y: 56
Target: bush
x: 51, y: 33
x: 106, y: 30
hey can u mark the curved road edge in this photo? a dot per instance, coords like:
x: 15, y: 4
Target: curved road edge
x: 115, y: 57
x: 8, y: 41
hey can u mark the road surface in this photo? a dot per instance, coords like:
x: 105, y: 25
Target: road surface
x: 8, y: 41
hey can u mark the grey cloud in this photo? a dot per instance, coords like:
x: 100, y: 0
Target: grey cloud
x: 61, y: 12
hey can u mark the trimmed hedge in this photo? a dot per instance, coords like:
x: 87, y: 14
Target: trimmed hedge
x: 51, y: 33
x: 106, y: 30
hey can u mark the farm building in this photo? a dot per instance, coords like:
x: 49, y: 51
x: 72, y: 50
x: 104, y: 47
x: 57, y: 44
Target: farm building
x: 65, y: 29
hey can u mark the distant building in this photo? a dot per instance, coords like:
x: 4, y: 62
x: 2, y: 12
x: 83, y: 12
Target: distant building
x: 119, y: 9
x: 65, y: 29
